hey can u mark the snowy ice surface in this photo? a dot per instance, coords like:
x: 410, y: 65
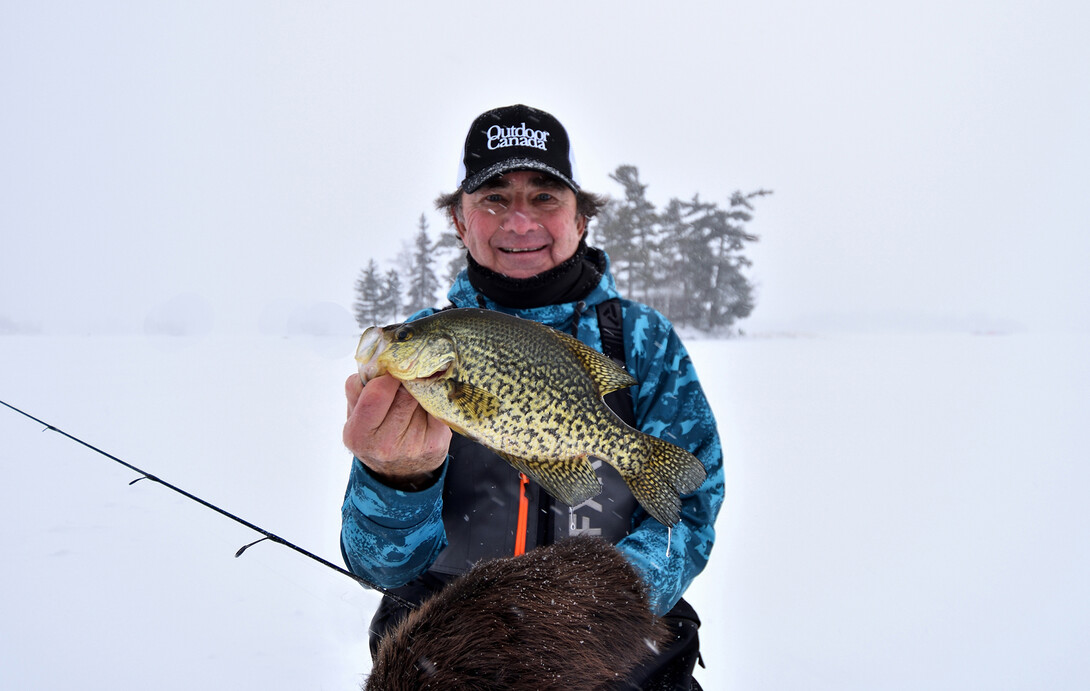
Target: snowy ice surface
x: 903, y: 512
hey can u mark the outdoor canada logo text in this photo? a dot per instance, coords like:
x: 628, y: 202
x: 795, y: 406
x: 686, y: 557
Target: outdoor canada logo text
x: 500, y: 137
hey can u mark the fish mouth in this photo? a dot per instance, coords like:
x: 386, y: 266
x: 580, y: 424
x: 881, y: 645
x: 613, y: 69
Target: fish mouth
x: 406, y: 371
x: 438, y: 374
x: 370, y: 347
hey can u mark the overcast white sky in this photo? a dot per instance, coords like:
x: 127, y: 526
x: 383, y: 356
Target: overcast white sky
x: 245, y: 159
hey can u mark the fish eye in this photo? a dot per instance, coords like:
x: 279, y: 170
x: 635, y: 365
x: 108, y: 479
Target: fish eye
x: 403, y: 334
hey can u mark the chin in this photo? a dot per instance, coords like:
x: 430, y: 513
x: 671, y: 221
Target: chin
x: 524, y: 270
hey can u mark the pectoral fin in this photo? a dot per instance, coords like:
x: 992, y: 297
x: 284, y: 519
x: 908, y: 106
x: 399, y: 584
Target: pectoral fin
x: 474, y: 402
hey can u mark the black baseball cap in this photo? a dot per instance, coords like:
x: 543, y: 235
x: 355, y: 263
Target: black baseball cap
x: 515, y: 137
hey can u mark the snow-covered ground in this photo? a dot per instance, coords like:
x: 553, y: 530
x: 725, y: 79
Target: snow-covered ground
x: 903, y: 512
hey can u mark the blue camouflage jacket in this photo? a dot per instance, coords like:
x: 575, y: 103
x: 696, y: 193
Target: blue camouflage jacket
x: 391, y: 536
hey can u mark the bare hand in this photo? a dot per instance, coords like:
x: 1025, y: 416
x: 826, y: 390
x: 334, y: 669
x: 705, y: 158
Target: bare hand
x: 391, y: 434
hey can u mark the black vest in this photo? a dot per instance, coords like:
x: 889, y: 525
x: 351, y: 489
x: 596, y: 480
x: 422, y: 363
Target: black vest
x: 481, y: 493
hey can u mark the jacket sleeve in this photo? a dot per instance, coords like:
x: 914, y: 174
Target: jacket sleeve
x: 390, y: 536
x: 670, y: 404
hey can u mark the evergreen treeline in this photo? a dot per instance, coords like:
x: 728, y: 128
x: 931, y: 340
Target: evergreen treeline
x: 685, y: 260
x: 381, y: 298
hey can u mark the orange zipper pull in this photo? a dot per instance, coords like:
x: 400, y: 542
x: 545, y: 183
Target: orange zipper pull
x: 524, y: 509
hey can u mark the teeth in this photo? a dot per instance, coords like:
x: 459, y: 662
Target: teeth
x: 520, y: 250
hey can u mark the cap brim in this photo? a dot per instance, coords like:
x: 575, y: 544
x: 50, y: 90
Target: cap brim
x: 472, y: 184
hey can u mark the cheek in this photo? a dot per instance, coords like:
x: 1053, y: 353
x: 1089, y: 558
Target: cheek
x: 477, y: 228
x: 474, y: 242
x: 567, y: 234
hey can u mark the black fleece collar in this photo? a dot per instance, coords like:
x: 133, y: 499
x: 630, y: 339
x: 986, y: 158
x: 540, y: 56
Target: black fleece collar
x: 569, y: 281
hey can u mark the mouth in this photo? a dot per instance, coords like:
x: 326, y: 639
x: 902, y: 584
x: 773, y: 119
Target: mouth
x: 441, y: 373
x: 521, y: 250
x: 370, y: 347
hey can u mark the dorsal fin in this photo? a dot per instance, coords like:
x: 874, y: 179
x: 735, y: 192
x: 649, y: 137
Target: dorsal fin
x: 607, y: 374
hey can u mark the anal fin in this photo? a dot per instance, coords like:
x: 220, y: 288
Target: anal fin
x: 571, y: 480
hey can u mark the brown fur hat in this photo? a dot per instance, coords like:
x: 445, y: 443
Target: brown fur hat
x: 569, y: 616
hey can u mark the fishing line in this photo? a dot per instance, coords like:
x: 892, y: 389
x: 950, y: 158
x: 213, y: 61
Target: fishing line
x: 267, y: 535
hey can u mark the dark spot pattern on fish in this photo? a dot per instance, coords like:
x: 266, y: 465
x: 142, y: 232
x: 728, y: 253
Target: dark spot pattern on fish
x: 534, y: 395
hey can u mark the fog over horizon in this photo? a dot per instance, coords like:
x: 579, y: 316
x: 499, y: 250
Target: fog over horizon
x: 231, y: 168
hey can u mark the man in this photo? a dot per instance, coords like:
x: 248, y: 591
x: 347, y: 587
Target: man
x: 424, y: 505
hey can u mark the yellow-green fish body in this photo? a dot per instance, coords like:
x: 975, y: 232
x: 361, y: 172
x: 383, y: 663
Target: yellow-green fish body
x: 533, y: 395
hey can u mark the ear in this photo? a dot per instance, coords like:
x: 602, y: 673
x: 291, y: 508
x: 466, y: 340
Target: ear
x: 581, y: 224
x: 459, y: 226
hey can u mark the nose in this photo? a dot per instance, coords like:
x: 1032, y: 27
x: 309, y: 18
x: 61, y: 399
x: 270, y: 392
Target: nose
x: 519, y: 218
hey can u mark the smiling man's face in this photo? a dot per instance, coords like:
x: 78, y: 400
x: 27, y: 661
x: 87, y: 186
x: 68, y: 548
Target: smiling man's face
x: 521, y: 223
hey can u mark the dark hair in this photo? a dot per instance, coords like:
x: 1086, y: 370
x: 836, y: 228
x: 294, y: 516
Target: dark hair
x: 578, y: 597
x: 587, y: 204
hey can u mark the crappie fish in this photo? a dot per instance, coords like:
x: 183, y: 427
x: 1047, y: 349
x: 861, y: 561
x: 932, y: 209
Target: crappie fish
x: 533, y: 395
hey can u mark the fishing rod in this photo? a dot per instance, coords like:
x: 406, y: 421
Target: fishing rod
x: 144, y: 475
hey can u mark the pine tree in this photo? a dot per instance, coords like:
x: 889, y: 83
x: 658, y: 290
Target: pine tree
x: 735, y: 298
x: 671, y: 297
x: 368, y: 305
x: 695, y: 246
x: 629, y: 232
x: 709, y: 241
x: 423, y: 285
x: 390, y: 297
x: 450, y: 245
x: 645, y: 232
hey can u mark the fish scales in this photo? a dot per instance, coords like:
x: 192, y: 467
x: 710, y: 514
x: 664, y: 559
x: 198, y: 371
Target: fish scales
x: 534, y: 396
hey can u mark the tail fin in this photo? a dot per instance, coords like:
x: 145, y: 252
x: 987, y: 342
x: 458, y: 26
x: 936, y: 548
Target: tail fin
x: 668, y: 472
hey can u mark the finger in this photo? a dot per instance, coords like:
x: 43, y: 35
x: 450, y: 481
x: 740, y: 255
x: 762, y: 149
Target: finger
x: 438, y: 437
x: 404, y: 413
x: 353, y: 386
x: 376, y: 398
x: 427, y: 436
x: 427, y: 432
x: 370, y: 409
